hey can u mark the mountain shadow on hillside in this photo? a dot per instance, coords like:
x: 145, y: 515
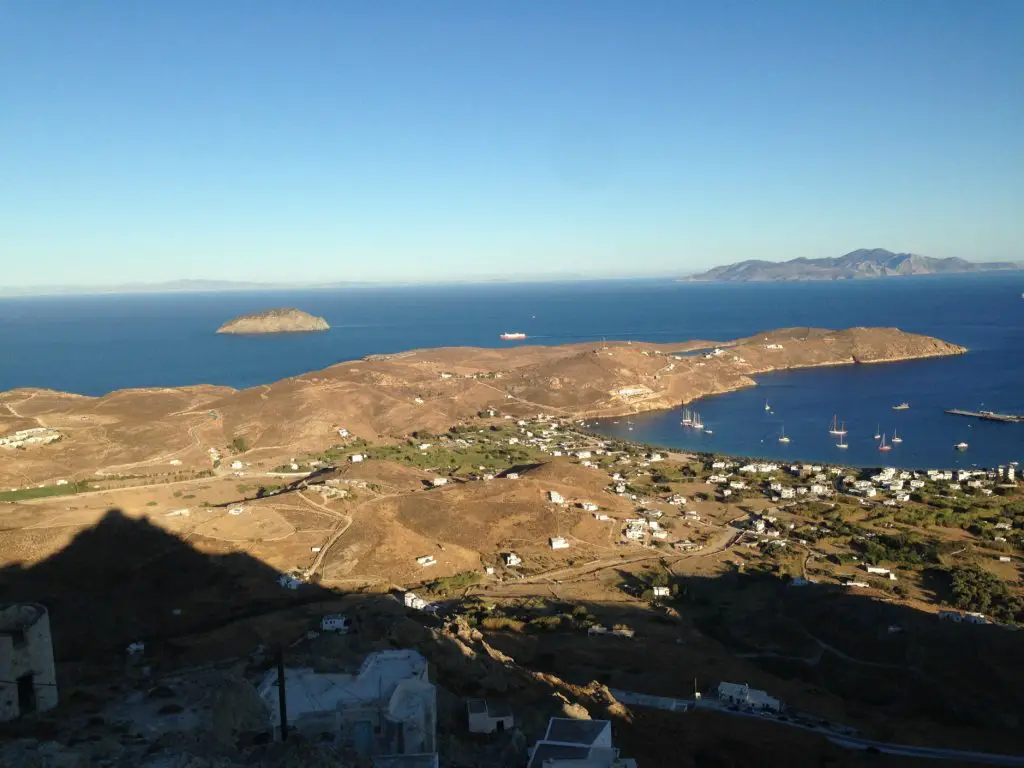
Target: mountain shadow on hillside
x: 126, y: 579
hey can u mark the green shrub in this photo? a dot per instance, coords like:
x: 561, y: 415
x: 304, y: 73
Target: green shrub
x: 974, y: 589
x: 453, y: 583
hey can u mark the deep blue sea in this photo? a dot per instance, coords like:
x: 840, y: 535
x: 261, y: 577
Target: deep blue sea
x: 95, y: 344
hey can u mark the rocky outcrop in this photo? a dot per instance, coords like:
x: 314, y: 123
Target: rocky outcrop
x: 285, y: 320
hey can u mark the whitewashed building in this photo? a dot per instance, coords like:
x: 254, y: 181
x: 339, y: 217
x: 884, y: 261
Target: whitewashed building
x: 486, y: 716
x: 743, y: 695
x: 335, y: 622
x: 28, y: 677
x: 388, y: 707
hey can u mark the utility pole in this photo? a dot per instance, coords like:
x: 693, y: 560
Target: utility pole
x: 282, y: 701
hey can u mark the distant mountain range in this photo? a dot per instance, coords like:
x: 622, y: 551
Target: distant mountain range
x: 220, y: 286
x: 863, y: 263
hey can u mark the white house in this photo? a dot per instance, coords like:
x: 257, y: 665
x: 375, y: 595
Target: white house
x: 355, y: 458
x: 558, y: 542
x: 588, y: 506
x: 288, y: 582
x: 555, y: 497
x: 437, y: 482
x: 874, y: 569
x: 661, y: 591
x: 28, y: 678
x: 335, y: 622
x: 489, y: 716
x: 747, y: 697
x: 426, y: 561
x: 412, y: 601
x: 512, y: 559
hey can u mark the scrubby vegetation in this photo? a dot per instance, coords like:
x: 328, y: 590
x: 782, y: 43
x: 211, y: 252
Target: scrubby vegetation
x: 461, y: 452
x: 974, y: 589
x: 905, y: 548
x: 448, y: 584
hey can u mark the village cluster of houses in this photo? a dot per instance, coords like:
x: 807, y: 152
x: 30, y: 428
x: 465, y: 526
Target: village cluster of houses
x: 819, y: 482
x: 642, y: 529
x: 815, y: 476
x: 897, y: 485
x: 26, y: 437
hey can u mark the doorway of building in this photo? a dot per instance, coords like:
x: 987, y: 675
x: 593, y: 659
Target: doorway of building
x: 26, y: 695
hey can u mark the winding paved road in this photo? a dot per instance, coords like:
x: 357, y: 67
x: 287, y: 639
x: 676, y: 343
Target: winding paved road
x: 632, y: 698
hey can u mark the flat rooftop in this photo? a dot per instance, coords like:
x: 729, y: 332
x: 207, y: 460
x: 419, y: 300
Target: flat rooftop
x: 569, y: 731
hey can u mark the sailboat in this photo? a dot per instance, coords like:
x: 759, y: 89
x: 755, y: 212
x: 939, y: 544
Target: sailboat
x: 842, y: 441
x: 878, y: 432
x: 782, y: 437
x: 629, y: 423
x: 835, y: 429
x: 882, y: 446
x: 896, y: 438
x: 697, y: 423
x: 687, y: 419
x: 766, y: 406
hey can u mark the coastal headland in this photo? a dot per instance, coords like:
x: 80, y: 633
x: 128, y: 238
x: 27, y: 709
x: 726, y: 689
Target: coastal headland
x: 390, y: 396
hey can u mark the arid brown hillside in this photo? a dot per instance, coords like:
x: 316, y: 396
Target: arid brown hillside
x: 393, y: 395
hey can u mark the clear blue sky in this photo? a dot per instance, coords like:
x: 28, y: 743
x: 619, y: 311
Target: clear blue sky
x: 344, y: 140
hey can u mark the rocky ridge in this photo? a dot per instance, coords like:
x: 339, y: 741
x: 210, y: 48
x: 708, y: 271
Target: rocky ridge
x: 859, y: 264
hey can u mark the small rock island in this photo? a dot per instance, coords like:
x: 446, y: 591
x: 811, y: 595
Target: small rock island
x: 284, y: 320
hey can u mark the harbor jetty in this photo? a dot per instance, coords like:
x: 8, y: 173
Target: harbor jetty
x: 1007, y: 418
